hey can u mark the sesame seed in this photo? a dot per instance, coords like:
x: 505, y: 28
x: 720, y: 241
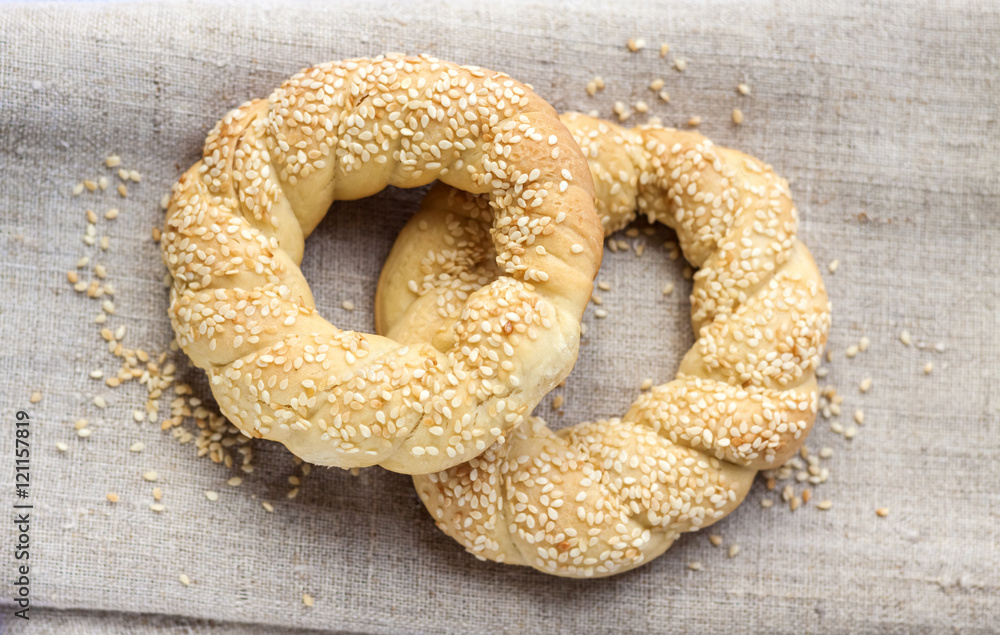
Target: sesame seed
x: 138, y: 446
x: 668, y: 288
x: 715, y: 539
x: 734, y: 550
x: 111, y: 214
x: 157, y: 507
x: 664, y: 49
x: 646, y: 384
x: 859, y: 416
x: 122, y: 190
x: 100, y: 402
x: 833, y: 266
x: 112, y: 497
x: 766, y: 503
x: 157, y: 493
x: 604, y: 286
x: 91, y: 216
x: 641, y: 106
x: 62, y: 447
x: 90, y: 185
x: 78, y: 189
x: 850, y: 432
x: 664, y: 96
x: 865, y: 385
x: 212, y: 496
x: 694, y: 566
x: 737, y: 116
x: 234, y: 481
x: 680, y: 64
x: 882, y: 512
x: 824, y: 505
x: 347, y: 305
x: 84, y: 432
x: 851, y: 351
x: 150, y: 476
x: 267, y: 506
x: 557, y: 402
x: 636, y: 44
x: 307, y: 599
x: 186, y: 581
x: 113, y: 161
x: 576, y: 249
x: 928, y: 368
x: 694, y: 122
x: 863, y: 344
x: 35, y: 397
x: 743, y: 89
x: 600, y: 314
x: 656, y: 84
x: 904, y: 337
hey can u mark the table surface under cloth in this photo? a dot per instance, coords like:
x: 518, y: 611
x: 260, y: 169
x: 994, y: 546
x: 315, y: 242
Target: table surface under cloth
x: 883, y: 116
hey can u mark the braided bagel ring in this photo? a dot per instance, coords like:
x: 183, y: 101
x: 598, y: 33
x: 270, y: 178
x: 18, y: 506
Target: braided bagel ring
x: 242, y: 310
x: 600, y: 498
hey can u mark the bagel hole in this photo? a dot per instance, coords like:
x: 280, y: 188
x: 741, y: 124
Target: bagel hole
x: 644, y: 333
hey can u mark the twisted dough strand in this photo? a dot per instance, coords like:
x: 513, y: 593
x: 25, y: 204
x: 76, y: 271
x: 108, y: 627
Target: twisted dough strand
x: 242, y: 310
x: 601, y: 498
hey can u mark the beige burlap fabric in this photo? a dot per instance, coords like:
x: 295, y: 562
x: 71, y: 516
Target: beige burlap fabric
x: 884, y: 118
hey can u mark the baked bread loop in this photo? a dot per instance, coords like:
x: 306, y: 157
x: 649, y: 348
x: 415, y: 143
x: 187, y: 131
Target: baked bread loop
x: 242, y: 310
x: 601, y: 498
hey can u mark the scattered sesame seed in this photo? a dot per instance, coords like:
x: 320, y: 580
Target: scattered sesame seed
x: 91, y: 216
x: 186, y: 581
x: 157, y: 507
x: 826, y: 453
x: 212, y: 496
x: 62, y: 447
x: 307, y: 599
x: 234, y: 481
x: 850, y: 432
x: 734, y: 550
x: 636, y: 44
x: 737, y: 116
x: 743, y: 89
x: 646, y: 384
x: 77, y: 189
x: 122, y: 190
x: 824, y: 505
x: 865, y: 385
x: 859, y: 416
x: 90, y: 185
x: 863, y: 344
x: 576, y: 249
x: 150, y: 476
x: 138, y: 446
x: 112, y: 497
x: 928, y: 368
x: 604, y: 286
x: 766, y: 503
x: 111, y: 214
x: 100, y: 402
x: 694, y: 122
x: 641, y: 106
x: 882, y: 512
x: 102, y: 183
x: 694, y: 566
x: 904, y: 337
x: 557, y: 402
x: 139, y: 415
x: 347, y: 305
x: 715, y: 539
x: 600, y: 314
x: 833, y: 266
x: 851, y: 351
x: 157, y: 493
x: 267, y: 506
x: 35, y: 397
x: 939, y: 347
x: 680, y: 64
x: 656, y: 84
x: 591, y: 88
x: 664, y: 49
x: 113, y: 161
x: 84, y: 432
x: 668, y: 288
x: 664, y: 96
x: 822, y: 371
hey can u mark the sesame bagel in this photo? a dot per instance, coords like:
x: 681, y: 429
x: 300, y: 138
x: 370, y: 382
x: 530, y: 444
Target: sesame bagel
x: 242, y: 310
x: 600, y: 498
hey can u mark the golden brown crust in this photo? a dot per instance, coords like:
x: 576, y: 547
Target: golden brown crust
x: 242, y: 310
x: 600, y: 498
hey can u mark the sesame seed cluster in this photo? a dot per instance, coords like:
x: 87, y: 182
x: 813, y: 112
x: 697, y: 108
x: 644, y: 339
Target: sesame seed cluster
x: 600, y: 498
x: 242, y: 310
